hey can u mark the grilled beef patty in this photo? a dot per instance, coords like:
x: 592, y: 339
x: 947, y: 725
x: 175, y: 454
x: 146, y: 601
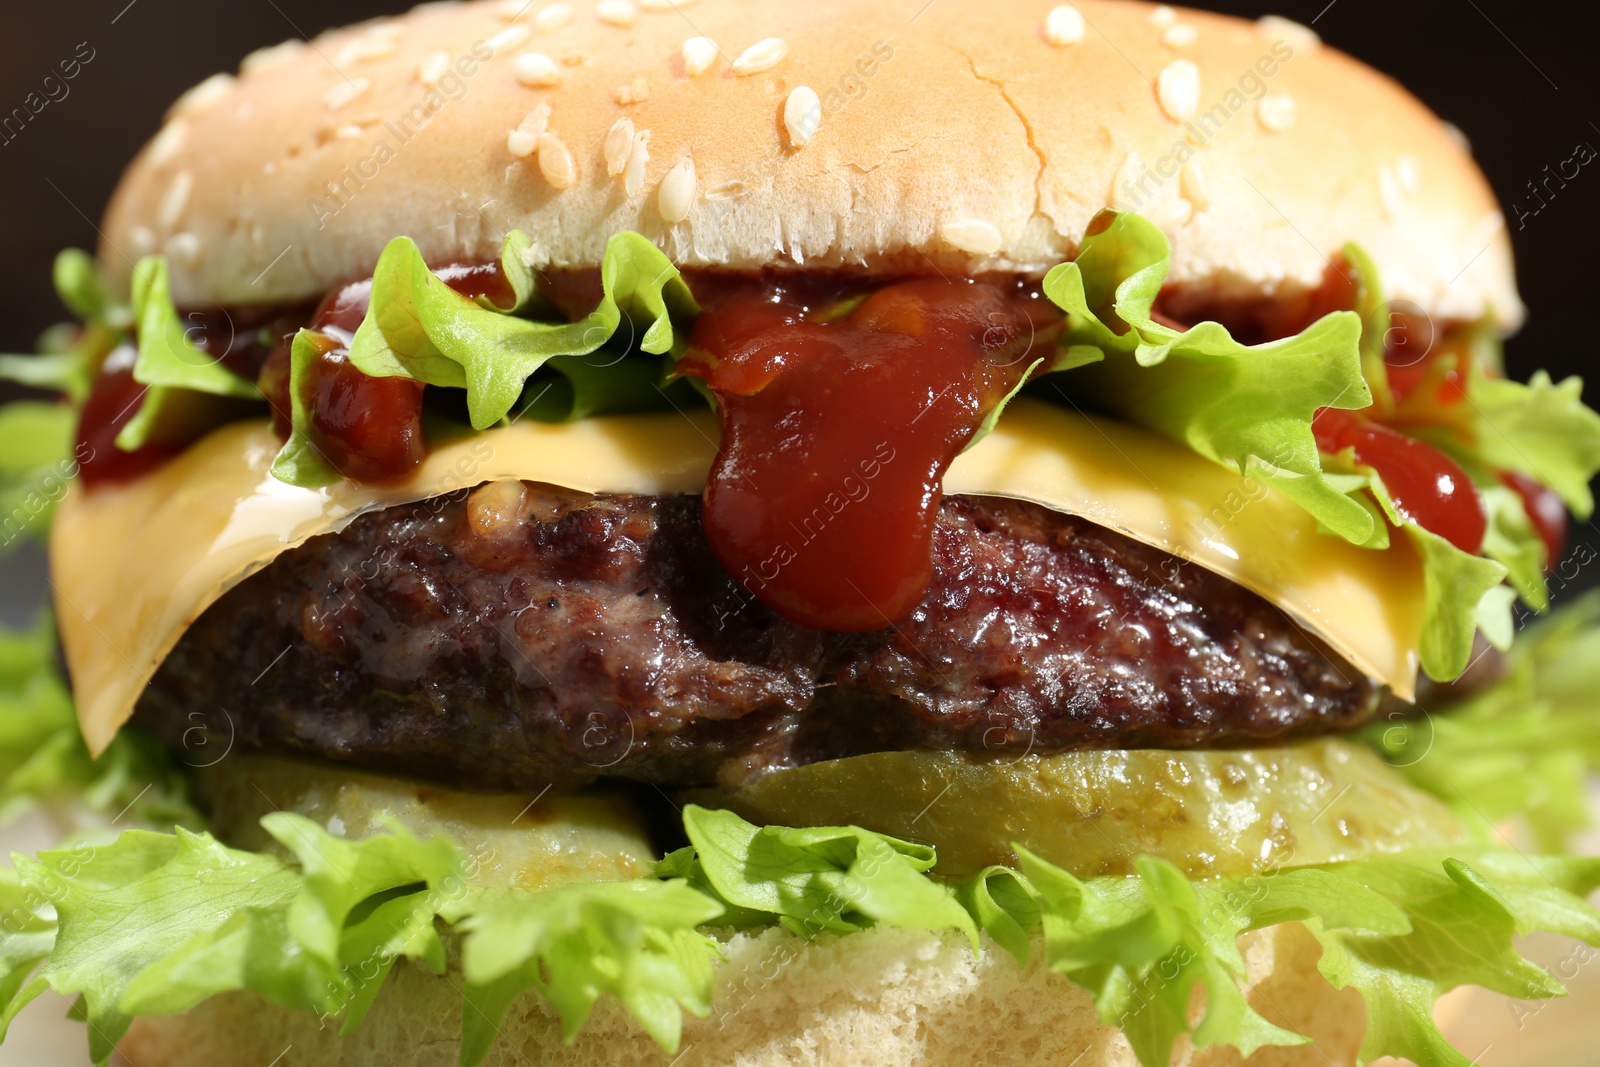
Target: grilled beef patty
x: 522, y: 636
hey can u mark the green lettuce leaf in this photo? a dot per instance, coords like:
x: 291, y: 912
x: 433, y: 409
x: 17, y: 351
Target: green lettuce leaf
x: 83, y: 289
x: 1541, y: 429
x: 36, y: 464
x: 1521, y: 748
x: 837, y: 878
x: 43, y: 757
x: 1249, y: 408
x: 155, y: 923
x: 418, y: 327
x: 300, y: 462
x: 1465, y: 911
x: 637, y: 941
x: 183, y: 380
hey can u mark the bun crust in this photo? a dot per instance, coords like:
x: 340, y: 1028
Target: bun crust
x: 883, y: 996
x: 953, y: 136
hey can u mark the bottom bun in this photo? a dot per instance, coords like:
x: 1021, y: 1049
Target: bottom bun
x: 883, y: 996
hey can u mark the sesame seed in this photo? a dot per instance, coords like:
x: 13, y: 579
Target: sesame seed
x: 676, y: 195
x: 1405, y: 168
x: 761, y: 56
x: 635, y: 92
x: 617, y: 12
x: 618, y: 143
x: 1126, y: 181
x: 1389, y: 194
x: 273, y: 56
x: 1178, y: 90
x: 521, y: 144
x: 512, y: 10
x: 728, y: 190
x: 1162, y: 16
x: 166, y: 144
x: 514, y: 36
x: 1180, y: 35
x: 698, y: 55
x: 1456, y: 134
x: 1063, y: 26
x: 183, y: 248
x: 388, y: 30
x: 552, y: 18
x: 537, y: 70
x: 1276, y: 112
x: 802, y: 114
x: 664, y: 5
x: 974, y: 236
x: 364, y: 48
x: 1171, y: 214
x: 344, y: 92
x: 347, y: 133
x: 638, y: 159
x: 523, y: 140
x: 207, y: 92
x: 1195, y: 186
x: 433, y: 68
x: 1281, y: 29
x: 555, y: 162
x: 175, y: 199
x: 142, y: 239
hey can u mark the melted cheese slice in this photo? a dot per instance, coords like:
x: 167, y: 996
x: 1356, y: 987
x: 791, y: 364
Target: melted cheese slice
x: 134, y: 566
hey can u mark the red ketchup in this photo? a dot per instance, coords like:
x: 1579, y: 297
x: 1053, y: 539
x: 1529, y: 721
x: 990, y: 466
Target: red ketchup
x: 1427, y: 486
x: 836, y: 434
x: 1545, y: 511
x: 368, y: 429
x: 111, y: 405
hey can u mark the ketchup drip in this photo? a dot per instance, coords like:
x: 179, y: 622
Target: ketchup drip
x: 836, y: 434
x: 368, y: 429
x: 1427, y: 486
x: 111, y: 405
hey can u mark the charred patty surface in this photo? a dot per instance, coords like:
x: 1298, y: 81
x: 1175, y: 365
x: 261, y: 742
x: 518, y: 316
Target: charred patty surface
x: 522, y: 637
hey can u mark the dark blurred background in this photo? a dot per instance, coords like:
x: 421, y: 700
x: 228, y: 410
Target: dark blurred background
x: 1520, y: 78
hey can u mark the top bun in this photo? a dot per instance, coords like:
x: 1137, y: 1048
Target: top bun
x: 957, y: 135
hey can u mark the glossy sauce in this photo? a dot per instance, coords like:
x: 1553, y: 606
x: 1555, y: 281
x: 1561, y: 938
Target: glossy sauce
x: 368, y: 429
x: 110, y: 406
x: 1427, y: 486
x: 838, y: 426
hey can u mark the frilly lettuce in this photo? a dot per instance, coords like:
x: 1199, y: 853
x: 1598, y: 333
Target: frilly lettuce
x: 522, y: 358
x: 43, y: 758
x: 418, y: 327
x: 155, y: 923
x: 1522, y: 748
x: 1251, y: 408
x: 183, y: 381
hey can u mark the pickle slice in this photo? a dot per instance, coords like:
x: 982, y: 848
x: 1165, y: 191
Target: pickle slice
x: 595, y: 835
x: 1229, y: 812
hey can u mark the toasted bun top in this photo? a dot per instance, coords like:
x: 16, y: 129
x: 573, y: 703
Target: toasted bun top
x: 958, y: 135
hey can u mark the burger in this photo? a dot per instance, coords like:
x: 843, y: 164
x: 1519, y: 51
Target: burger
x: 851, y: 532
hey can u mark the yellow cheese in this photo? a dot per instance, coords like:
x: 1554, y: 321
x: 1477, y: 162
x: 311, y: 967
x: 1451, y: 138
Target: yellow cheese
x: 133, y: 566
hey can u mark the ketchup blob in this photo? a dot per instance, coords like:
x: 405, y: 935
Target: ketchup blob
x: 1545, y: 511
x: 112, y: 403
x: 837, y: 431
x: 1427, y: 486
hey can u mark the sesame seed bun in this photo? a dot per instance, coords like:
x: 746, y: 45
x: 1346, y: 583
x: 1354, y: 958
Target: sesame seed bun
x: 892, y: 136
x: 883, y: 996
